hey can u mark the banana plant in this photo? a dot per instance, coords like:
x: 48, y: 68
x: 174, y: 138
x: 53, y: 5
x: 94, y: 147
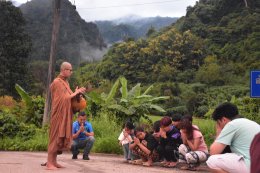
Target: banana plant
x: 24, y: 95
x: 34, y: 107
x: 133, y: 104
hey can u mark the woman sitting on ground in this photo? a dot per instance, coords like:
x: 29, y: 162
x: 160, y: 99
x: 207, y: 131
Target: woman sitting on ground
x: 169, y: 142
x: 194, y: 150
x: 144, y: 145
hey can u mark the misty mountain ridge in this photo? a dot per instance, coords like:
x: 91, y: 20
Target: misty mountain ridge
x: 131, y: 26
x: 75, y: 35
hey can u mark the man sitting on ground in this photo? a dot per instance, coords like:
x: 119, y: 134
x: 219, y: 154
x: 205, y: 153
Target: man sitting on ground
x: 236, y: 132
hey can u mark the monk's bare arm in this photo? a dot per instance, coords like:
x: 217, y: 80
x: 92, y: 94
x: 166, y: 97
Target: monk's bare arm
x: 77, y: 91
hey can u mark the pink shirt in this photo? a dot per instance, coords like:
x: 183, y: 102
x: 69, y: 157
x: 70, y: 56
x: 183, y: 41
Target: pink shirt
x: 202, y: 144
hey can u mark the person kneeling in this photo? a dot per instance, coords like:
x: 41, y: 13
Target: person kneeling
x: 83, y: 136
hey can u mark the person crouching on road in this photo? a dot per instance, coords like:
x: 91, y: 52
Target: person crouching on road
x: 83, y: 136
x: 144, y: 145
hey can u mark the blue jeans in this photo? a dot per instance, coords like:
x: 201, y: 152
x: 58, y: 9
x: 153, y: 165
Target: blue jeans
x: 127, y: 152
x: 82, y: 144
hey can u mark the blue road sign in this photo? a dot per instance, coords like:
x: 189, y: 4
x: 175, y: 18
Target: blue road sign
x: 255, y: 83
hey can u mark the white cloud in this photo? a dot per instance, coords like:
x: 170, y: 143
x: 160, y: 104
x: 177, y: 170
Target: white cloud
x: 91, y: 10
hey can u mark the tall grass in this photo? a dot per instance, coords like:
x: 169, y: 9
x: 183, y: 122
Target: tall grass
x: 38, y: 142
x: 106, y: 134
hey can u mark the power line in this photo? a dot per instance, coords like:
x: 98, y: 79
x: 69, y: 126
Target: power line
x: 128, y: 5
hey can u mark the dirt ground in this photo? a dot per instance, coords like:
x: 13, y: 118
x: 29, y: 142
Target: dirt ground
x: 30, y: 162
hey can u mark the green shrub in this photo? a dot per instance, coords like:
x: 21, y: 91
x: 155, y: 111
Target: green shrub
x: 201, y: 111
x: 38, y: 142
x: 9, y: 126
x: 107, y: 144
x: 106, y: 132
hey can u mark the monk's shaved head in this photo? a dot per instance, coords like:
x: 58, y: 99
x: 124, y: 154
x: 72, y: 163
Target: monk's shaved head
x: 65, y: 65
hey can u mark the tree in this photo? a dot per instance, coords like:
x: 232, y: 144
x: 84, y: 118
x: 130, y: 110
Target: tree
x: 151, y: 31
x: 15, y: 45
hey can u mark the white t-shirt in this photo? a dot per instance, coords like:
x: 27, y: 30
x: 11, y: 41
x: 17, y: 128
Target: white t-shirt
x: 124, y: 139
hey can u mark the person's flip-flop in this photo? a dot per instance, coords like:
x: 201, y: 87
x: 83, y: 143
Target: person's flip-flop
x: 44, y: 164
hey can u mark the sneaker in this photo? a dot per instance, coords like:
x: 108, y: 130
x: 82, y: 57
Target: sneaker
x: 85, y: 157
x: 75, y: 156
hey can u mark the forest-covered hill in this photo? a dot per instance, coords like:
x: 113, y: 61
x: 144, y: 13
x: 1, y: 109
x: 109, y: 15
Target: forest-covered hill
x: 202, y: 60
x: 131, y: 27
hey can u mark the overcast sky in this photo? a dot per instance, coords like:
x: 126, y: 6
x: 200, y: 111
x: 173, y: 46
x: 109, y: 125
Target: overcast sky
x: 92, y: 10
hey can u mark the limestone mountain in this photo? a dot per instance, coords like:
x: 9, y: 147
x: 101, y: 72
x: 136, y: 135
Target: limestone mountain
x: 131, y: 27
x: 77, y: 39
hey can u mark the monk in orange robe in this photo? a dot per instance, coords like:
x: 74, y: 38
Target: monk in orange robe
x: 60, y: 134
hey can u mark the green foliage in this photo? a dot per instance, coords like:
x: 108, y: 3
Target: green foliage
x: 161, y: 58
x: 14, y: 47
x: 38, y: 142
x: 248, y: 107
x: 11, y: 127
x: 107, y: 145
x: 34, y: 107
x: 132, y: 105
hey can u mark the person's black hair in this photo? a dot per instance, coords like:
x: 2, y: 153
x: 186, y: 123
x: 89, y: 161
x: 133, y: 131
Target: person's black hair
x: 176, y: 117
x: 156, y: 126
x: 82, y: 114
x: 169, y: 113
x: 129, y: 125
x: 138, y: 129
x: 188, y: 117
x: 227, y: 110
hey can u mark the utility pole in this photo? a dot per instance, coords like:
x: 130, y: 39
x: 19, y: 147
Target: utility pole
x: 246, y: 3
x: 52, y: 60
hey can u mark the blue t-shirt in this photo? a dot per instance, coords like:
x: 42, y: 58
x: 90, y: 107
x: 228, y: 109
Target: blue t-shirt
x: 76, y: 127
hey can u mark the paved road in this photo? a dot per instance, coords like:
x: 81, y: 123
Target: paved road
x: 30, y: 162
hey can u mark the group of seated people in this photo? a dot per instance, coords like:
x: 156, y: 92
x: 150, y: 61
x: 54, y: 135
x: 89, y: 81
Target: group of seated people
x: 176, y: 142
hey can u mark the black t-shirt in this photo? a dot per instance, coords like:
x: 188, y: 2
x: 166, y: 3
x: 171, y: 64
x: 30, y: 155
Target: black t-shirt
x: 152, y: 143
x: 173, y: 138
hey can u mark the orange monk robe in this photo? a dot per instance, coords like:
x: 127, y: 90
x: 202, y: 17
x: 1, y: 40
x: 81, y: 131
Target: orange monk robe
x: 60, y: 134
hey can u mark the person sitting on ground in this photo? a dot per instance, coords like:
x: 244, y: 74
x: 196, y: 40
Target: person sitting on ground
x: 125, y: 139
x: 176, y: 119
x: 144, y: 145
x: 157, y: 135
x: 156, y: 130
x: 170, y: 141
x: 83, y: 136
x: 236, y: 132
x: 194, y: 150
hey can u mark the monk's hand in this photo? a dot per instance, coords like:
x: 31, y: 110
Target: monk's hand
x: 82, y: 90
